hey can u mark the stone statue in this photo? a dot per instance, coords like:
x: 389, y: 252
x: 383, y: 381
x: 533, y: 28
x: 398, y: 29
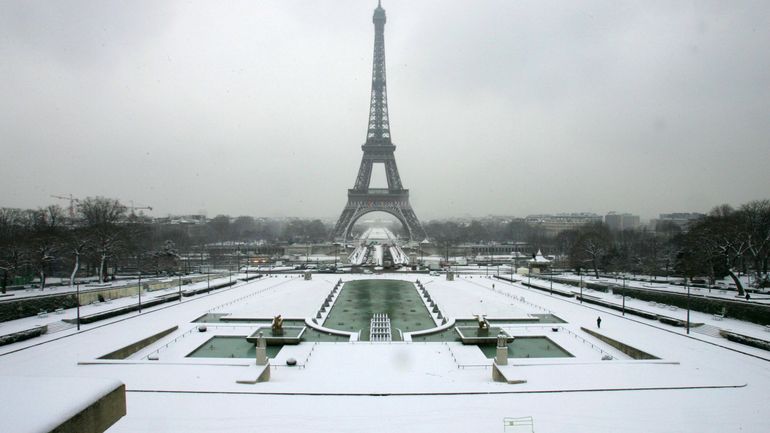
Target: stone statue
x: 277, y: 325
x: 483, y: 322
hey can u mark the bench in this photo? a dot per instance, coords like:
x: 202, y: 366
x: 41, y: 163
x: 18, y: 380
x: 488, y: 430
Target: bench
x: 59, y: 310
x: 719, y: 316
x: 42, y: 314
x: 767, y: 328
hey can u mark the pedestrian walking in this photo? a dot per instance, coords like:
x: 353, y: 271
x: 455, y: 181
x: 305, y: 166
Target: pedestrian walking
x: 747, y: 296
x: 599, y: 322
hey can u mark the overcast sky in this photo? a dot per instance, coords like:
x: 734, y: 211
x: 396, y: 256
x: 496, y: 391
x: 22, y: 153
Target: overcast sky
x: 497, y: 107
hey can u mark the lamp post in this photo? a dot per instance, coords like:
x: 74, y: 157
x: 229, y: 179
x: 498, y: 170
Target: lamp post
x: 688, y: 304
x: 140, y: 290
x: 529, y: 274
x: 624, y: 294
x: 77, y: 299
x: 580, y: 272
x: 550, y: 272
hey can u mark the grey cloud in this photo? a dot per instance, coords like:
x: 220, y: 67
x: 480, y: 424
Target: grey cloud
x: 496, y: 106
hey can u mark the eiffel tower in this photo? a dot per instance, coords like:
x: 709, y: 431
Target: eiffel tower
x: 378, y: 149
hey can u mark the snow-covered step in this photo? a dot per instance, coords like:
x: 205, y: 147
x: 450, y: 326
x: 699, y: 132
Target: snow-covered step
x: 710, y: 330
x: 59, y: 326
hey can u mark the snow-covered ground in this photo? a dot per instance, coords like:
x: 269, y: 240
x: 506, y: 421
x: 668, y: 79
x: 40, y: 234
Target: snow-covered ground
x: 703, y: 332
x: 663, y: 285
x: 698, y: 384
x: 57, y: 289
x: 58, y: 328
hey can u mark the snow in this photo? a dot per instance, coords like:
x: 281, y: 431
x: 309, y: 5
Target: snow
x: 663, y: 285
x: 40, y: 404
x: 699, y: 384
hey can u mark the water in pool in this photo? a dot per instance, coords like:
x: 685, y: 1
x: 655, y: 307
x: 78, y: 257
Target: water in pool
x: 361, y: 299
x: 529, y: 347
x: 226, y: 346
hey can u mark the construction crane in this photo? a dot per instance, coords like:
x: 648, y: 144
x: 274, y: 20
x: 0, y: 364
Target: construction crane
x: 137, y: 207
x: 72, y: 201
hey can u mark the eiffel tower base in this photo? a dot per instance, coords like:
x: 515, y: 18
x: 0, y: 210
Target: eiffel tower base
x: 395, y: 203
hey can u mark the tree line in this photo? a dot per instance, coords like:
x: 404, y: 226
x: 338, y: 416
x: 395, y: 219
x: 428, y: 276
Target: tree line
x: 725, y: 243
x: 101, y: 233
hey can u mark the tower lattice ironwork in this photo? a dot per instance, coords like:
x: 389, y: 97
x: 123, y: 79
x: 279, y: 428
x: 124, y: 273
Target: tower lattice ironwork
x: 378, y: 149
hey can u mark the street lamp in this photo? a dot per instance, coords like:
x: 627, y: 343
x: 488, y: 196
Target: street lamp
x: 77, y: 295
x: 550, y: 272
x: 140, y: 290
x: 529, y: 273
x: 624, y: 294
x: 688, y: 304
x: 580, y: 272
x: 139, y: 270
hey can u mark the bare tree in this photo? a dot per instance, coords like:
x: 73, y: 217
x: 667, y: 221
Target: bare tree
x: 720, y: 241
x: 13, y: 231
x: 76, y: 242
x: 45, y: 239
x: 592, y: 245
x: 102, y: 218
x: 755, y: 221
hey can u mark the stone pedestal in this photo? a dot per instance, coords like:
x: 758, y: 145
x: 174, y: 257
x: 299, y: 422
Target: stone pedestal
x: 501, y: 357
x: 261, y: 350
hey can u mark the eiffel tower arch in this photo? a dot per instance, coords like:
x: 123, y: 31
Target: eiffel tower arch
x: 378, y: 149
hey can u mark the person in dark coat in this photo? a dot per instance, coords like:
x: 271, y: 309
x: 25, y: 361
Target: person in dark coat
x: 599, y: 322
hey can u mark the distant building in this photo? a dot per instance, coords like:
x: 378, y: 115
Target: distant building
x: 680, y: 219
x: 182, y: 219
x: 619, y: 222
x: 554, y: 224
